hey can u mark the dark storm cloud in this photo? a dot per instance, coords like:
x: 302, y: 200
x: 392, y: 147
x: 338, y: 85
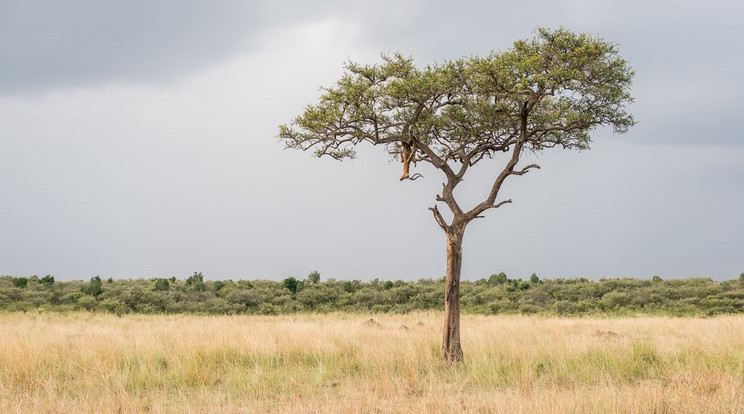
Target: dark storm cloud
x: 48, y: 44
x: 686, y: 54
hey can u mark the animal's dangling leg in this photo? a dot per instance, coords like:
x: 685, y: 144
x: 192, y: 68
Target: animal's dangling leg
x: 406, y: 168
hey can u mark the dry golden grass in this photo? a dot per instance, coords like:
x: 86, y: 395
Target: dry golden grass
x: 92, y: 363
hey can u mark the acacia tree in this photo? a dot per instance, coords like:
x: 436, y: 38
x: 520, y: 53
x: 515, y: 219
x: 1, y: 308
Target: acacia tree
x: 551, y: 91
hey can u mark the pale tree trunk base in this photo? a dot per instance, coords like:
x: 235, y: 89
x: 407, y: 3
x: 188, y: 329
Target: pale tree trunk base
x: 451, y: 348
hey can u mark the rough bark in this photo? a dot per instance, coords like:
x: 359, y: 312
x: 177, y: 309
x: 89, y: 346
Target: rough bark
x: 451, y: 348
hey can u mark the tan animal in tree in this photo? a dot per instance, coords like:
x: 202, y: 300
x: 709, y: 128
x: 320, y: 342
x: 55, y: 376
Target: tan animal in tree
x: 408, y: 155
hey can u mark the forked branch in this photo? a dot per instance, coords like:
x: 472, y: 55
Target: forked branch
x: 439, y: 219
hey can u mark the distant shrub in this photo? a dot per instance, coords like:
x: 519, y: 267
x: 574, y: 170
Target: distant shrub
x: 247, y: 298
x: 94, y: 287
x: 197, y: 277
x: 564, y: 307
x: 244, y: 284
x: 20, y: 282
x: 497, y: 279
x: 161, y: 285
x: 196, y: 281
x: 614, y: 300
x: 267, y: 309
x: 114, y: 306
x: 87, y: 302
x: 313, y: 277
x: 291, y: 284
x: 527, y: 309
x: 47, y: 280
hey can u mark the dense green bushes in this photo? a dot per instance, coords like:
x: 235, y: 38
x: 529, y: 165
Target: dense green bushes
x: 495, y: 294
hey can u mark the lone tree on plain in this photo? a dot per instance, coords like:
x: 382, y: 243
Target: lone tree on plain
x: 548, y: 92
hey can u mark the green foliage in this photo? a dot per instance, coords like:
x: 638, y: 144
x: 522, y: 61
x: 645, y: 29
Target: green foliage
x: 47, y: 280
x: 20, y: 282
x: 87, y: 302
x: 351, y: 286
x: 196, y: 281
x: 497, y: 279
x: 313, y: 277
x: 565, y: 83
x: 615, y: 300
x: 291, y: 284
x: 114, y: 306
x: 534, y: 279
x: 94, y: 287
x: 568, y: 297
x: 161, y: 284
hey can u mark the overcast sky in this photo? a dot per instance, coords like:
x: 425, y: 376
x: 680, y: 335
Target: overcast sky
x: 138, y: 139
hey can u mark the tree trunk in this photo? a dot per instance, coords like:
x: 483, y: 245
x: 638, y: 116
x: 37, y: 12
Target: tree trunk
x: 451, y: 348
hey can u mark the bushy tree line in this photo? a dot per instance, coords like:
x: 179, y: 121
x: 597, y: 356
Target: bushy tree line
x: 496, y: 294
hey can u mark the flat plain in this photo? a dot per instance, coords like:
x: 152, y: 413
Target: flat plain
x: 390, y: 363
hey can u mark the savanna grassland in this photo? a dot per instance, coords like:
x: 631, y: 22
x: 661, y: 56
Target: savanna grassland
x: 85, y: 362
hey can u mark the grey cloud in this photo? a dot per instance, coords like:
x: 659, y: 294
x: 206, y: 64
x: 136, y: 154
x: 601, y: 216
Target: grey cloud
x: 46, y: 44
x: 685, y: 46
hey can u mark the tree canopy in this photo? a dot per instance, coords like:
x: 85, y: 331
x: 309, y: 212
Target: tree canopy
x: 466, y: 109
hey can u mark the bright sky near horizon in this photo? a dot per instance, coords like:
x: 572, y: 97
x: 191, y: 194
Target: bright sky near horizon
x: 138, y: 139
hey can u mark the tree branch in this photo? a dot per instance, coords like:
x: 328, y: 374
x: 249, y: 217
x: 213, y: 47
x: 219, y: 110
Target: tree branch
x: 501, y: 203
x: 439, y: 219
x: 434, y: 159
x: 524, y: 170
x: 507, y: 171
x: 448, y: 197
